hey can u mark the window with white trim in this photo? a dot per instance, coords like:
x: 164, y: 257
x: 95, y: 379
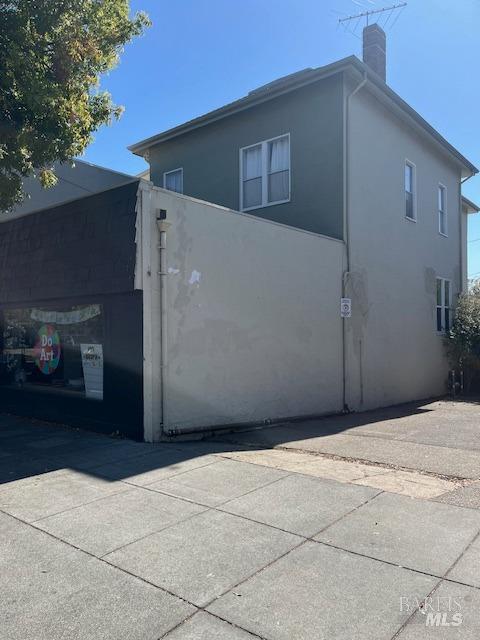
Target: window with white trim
x: 444, y: 309
x: 410, y: 187
x: 442, y: 210
x: 173, y: 180
x: 265, y: 173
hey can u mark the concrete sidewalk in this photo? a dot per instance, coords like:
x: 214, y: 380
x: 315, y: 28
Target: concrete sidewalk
x: 441, y: 438
x: 110, y: 539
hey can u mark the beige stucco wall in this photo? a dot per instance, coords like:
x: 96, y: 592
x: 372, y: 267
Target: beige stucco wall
x: 394, y: 352
x: 252, y: 307
x: 253, y: 326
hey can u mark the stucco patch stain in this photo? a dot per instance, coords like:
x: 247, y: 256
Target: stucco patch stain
x: 195, y: 277
x: 430, y: 277
x: 357, y: 287
x: 304, y: 333
x: 183, y: 291
x: 218, y: 336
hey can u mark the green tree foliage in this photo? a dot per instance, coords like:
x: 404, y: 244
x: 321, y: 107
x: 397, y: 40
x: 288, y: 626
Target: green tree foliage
x: 463, y: 341
x: 51, y: 55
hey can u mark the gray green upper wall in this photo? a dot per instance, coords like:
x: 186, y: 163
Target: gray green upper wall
x: 210, y: 156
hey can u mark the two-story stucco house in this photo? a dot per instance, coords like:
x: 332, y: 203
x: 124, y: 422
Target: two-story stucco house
x: 209, y: 294
x: 335, y: 151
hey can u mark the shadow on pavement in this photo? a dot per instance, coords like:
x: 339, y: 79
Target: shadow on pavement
x: 31, y: 447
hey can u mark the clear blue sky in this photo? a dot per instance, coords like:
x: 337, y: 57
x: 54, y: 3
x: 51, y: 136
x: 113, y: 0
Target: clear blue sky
x: 201, y: 54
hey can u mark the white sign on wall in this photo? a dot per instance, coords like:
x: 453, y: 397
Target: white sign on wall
x: 346, y: 307
x: 92, y: 362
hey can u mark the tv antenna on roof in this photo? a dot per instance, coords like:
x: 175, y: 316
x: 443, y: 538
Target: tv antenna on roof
x: 384, y: 12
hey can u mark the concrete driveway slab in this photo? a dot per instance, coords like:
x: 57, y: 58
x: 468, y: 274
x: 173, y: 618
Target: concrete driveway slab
x: 109, y: 523
x: 105, y: 451
x: 418, y: 534
x: 269, y: 582
x: 42, y: 442
x: 219, y: 482
x: 44, y: 495
x: 11, y: 434
x: 458, y: 463
x: 443, y: 433
x: 316, y: 592
x: 467, y: 569
x: 307, y: 464
x: 50, y: 591
x: 8, y: 420
x: 445, y: 423
x: 463, y: 497
x: 203, y: 626
x: 202, y: 447
x: 300, y: 504
x: 157, y: 465
x: 59, y: 442
x: 438, y: 437
x: 408, y: 483
x: 15, y: 467
x: 202, y: 557
x: 438, y: 621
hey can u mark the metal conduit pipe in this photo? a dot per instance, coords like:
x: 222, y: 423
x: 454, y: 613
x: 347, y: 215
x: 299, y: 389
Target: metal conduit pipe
x: 162, y: 226
x: 346, y: 230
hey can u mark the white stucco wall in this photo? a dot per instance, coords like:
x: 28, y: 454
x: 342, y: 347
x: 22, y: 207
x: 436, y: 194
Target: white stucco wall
x: 394, y: 352
x: 253, y: 326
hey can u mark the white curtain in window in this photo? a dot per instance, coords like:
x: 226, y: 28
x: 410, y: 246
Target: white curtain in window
x: 279, y: 155
x: 279, y: 170
x: 252, y: 177
x: 252, y: 163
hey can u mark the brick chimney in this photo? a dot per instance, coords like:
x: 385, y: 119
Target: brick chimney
x: 374, y: 49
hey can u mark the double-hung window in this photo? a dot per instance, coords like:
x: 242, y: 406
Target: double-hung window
x: 410, y: 188
x: 444, y: 310
x: 442, y: 210
x: 173, y: 180
x: 265, y: 173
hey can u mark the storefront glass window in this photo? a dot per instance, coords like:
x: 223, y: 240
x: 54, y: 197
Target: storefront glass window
x: 56, y: 349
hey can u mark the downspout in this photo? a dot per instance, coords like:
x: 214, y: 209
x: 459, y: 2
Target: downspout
x: 162, y: 226
x: 461, y: 235
x: 346, y: 229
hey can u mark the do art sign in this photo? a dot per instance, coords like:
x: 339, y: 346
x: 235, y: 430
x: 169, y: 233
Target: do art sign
x: 47, y: 349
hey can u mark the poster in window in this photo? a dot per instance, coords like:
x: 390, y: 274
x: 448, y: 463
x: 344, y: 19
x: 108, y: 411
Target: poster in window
x: 92, y: 362
x: 47, y: 350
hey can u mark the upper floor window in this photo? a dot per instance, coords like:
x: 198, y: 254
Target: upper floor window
x: 443, y: 305
x: 410, y: 191
x: 265, y: 173
x: 173, y: 180
x: 442, y: 210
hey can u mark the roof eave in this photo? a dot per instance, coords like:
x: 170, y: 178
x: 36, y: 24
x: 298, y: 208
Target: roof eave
x: 239, y: 105
x: 351, y: 62
x: 410, y: 113
x: 470, y: 206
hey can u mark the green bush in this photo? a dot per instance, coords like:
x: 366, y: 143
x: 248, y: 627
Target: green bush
x: 463, y: 340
